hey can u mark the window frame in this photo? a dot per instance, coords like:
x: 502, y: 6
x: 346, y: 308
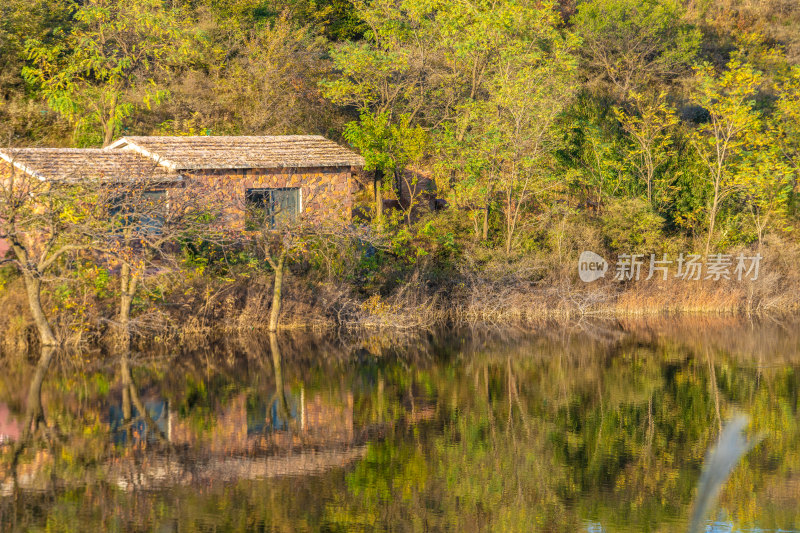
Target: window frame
x: 152, y: 225
x: 263, y: 192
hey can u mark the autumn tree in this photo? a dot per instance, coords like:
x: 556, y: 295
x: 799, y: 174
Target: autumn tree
x: 786, y: 121
x: 592, y: 156
x: 277, y: 230
x: 138, y: 225
x: 21, y: 20
x: 650, y: 123
x: 469, y: 44
x: 42, y: 223
x: 485, y: 81
x: 767, y: 191
x: 630, y: 45
x: 532, y: 85
x: 385, y: 78
x: 724, y: 142
x: 503, y: 132
x: 269, y: 85
x: 387, y: 147
x: 467, y: 164
x: 102, y: 69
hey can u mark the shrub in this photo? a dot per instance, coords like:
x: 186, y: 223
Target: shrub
x: 631, y: 226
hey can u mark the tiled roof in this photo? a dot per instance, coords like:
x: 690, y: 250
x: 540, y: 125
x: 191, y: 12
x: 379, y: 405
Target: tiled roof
x: 240, y: 152
x: 76, y: 164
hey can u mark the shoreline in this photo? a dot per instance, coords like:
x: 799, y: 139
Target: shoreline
x: 391, y: 318
x: 205, y: 306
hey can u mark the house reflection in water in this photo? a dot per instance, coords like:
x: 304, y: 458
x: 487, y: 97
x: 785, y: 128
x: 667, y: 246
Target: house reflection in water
x: 243, y: 439
x: 240, y: 440
x: 246, y: 424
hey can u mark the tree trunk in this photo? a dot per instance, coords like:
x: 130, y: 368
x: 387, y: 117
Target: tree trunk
x: 132, y: 396
x: 711, y: 222
x: 485, y: 233
x: 108, y: 137
x: 127, y: 382
x: 476, y: 224
x: 510, y: 225
x: 109, y: 126
x: 33, y: 287
x: 276, y: 293
x: 377, y: 186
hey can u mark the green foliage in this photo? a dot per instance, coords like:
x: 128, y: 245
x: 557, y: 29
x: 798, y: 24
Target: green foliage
x: 736, y: 147
x: 338, y: 20
x: 687, y: 208
x: 635, y: 44
x: 337, y: 257
x: 651, y: 127
x: 386, y: 145
x: 785, y: 128
x: 101, y: 70
x: 632, y: 226
x: 592, y: 157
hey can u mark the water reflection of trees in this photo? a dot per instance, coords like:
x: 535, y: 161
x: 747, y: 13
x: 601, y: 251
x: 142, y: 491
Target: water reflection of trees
x: 522, y: 432
x: 558, y: 429
x: 33, y: 421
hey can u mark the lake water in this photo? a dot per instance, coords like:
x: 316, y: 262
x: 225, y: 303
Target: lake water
x: 594, y: 427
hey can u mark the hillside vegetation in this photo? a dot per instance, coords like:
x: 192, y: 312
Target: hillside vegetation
x: 549, y: 128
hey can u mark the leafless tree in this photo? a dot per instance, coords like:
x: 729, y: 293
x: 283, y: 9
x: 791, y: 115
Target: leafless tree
x: 41, y: 221
x: 279, y: 230
x: 138, y: 225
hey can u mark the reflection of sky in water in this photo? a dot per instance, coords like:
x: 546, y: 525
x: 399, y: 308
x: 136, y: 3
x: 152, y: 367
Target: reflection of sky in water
x: 728, y: 527
x: 158, y: 411
x: 266, y: 418
x: 711, y: 527
x: 262, y: 417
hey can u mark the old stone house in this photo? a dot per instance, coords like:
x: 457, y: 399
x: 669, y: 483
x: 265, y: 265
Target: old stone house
x: 284, y: 176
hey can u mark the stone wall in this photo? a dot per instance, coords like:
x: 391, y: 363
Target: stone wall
x: 326, y: 193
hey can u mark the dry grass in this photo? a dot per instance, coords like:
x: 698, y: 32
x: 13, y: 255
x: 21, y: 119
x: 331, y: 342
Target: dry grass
x: 497, y: 293
x: 15, y: 323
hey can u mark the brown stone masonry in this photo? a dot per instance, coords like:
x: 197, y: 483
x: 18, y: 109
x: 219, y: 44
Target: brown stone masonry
x: 325, y: 192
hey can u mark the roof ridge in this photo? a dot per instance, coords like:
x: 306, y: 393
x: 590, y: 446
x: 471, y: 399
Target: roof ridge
x: 56, y: 149
x: 215, y: 152
x: 83, y: 163
x: 293, y: 135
